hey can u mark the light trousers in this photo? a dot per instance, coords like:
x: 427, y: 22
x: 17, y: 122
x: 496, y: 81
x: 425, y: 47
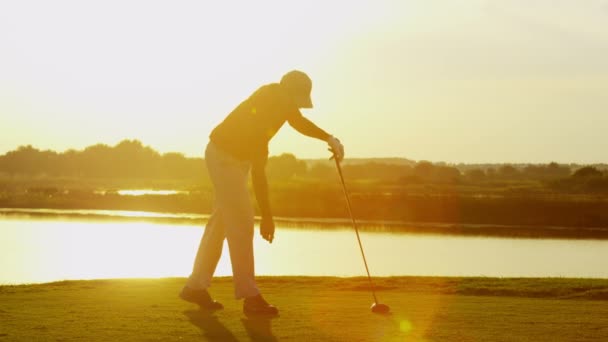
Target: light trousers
x: 232, y: 219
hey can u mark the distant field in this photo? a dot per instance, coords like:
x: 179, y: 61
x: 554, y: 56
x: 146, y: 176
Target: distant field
x: 332, y: 309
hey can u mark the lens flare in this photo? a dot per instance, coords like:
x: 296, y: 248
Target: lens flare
x: 406, y: 326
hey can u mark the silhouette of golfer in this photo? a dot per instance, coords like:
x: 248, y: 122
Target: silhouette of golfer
x: 237, y: 145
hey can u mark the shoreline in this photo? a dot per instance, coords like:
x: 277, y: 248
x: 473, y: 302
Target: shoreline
x: 386, y: 226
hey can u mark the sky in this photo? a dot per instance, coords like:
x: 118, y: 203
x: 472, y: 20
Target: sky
x: 441, y: 80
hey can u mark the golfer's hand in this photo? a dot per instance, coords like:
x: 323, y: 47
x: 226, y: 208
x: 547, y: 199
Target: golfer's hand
x: 267, y: 228
x: 336, y: 148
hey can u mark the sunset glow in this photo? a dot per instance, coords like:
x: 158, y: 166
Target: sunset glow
x: 457, y: 81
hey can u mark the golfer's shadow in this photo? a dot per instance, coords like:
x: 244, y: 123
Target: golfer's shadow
x: 258, y: 328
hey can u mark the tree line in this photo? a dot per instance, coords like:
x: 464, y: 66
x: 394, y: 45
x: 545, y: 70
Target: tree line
x: 130, y: 159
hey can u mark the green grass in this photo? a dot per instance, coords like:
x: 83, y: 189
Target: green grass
x: 312, y: 309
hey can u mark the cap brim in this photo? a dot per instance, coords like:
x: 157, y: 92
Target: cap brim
x: 304, y: 102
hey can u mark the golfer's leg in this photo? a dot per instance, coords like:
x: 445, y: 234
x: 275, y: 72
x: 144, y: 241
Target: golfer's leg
x: 229, y: 178
x: 237, y: 218
x: 239, y: 233
x: 209, y: 253
x: 210, y: 247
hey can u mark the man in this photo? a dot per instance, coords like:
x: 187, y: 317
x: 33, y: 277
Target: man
x: 237, y: 145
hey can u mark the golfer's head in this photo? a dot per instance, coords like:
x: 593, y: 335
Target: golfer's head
x: 298, y: 85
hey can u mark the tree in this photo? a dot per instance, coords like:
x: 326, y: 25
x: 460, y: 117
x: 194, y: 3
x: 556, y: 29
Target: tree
x: 322, y: 171
x: 285, y: 166
x: 545, y: 172
x: 508, y: 172
x: 423, y: 169
x: 446, y: 174
x: 475, y: 175
x: 587, y: 172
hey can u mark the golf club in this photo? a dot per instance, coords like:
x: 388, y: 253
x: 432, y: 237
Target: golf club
x: 376, y: 307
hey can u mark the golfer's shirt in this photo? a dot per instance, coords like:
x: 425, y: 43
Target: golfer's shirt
x: 246, y: 131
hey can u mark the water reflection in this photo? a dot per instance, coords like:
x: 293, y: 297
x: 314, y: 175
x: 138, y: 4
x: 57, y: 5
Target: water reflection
x: 149, y: 192
x: 46, y: 250
x: 140, y: 192
x: 398, y: 227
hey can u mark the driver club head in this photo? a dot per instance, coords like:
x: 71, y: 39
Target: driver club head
x: 380, y: 308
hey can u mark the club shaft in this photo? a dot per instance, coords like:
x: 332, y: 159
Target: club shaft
x: 352, y: 217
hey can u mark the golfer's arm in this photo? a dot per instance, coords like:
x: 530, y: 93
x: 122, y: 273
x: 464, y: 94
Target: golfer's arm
x: 260, y: 187
x: 308, y: 128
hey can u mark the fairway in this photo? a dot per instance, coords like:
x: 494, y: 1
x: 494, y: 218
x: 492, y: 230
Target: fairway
x: 312, y: 309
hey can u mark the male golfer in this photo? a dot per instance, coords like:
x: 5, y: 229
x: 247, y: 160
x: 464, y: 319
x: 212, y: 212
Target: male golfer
x: 237, y: 145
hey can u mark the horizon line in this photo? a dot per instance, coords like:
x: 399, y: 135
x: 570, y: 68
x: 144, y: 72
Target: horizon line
x: 3, y: 153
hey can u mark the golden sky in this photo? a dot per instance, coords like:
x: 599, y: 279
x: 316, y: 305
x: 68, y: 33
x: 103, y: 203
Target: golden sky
x: 452, y: 80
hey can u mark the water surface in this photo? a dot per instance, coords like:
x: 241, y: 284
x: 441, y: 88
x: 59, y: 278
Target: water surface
x: 49, y: 249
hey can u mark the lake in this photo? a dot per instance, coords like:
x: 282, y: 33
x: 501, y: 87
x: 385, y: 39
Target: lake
x: 59, y: 247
